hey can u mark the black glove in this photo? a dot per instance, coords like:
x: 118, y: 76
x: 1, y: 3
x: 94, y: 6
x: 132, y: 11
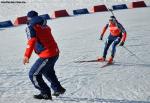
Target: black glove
x: 121, y: 44
x: 101, y: 38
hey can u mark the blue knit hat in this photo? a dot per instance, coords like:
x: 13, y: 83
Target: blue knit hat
x: 32, y: 13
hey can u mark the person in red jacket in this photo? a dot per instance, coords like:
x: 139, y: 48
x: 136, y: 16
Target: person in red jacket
x: 117, y: 35
x: 40, y: 40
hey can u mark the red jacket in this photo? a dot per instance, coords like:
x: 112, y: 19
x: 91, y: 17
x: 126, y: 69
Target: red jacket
x: 115, y: 31
x: 42, y: 42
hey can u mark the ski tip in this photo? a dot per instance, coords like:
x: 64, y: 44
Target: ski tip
x: 83, y: 61
x: 107, y: 64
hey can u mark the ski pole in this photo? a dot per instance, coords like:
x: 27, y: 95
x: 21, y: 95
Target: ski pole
x: 133, y: 54
x: 128, y: 50
x: 111, y: 11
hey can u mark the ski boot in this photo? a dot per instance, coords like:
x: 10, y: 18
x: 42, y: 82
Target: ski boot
x: 110, y: 60
x: 101, y: 59
x: 43, y: 96
x: 61, y: 91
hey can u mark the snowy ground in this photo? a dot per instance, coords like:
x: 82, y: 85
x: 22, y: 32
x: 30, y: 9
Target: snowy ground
x: 127, y: 81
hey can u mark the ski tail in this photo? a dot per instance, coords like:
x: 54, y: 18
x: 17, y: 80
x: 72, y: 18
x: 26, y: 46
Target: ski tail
x: 82, y: 61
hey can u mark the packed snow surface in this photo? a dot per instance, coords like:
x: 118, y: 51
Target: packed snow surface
x: 126, y: 81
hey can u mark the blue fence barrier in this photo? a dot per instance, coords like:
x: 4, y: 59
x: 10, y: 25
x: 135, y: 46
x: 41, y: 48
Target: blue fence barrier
x: 118, y: 7
x: 6, y: 24
x: 80, y: 11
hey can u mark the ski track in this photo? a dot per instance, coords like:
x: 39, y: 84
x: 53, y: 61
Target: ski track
x: 127, y: 81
